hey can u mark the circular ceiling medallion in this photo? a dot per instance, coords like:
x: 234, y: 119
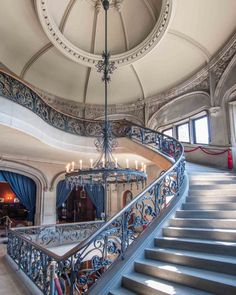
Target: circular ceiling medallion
x: 137, y: 39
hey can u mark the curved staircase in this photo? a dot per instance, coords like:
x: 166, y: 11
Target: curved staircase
x: 197, y: 251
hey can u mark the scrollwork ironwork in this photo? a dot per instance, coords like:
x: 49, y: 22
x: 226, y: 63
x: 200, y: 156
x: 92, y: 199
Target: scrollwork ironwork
x: 100, y: 245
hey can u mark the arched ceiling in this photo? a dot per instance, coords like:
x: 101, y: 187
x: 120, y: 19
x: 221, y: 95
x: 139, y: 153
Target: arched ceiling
x: 156, y: 44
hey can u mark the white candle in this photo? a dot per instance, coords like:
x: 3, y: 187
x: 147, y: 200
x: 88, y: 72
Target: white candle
x: 72, y: 166
x: 103, y: 162
x: 136, y: 165
x: 80, y: 164
x: 91, y: 163
x: 116, y: 162
x: 145, y: 168
x: 127, y: 163
x: 142, y: 166
x: 67, y: 168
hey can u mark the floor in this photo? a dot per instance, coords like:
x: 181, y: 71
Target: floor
x: 9, y: 283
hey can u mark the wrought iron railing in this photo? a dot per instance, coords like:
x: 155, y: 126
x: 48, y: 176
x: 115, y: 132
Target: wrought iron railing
x: 79, y: 268
x: 55, y: 235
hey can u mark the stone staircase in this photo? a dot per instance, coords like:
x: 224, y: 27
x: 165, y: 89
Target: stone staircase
x: 197, y: 251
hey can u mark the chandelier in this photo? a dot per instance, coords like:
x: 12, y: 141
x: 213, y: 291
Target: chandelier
x: 106, y: 169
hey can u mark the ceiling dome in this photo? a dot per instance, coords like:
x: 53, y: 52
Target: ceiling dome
x: 134, y: 28
x: 156, y: 44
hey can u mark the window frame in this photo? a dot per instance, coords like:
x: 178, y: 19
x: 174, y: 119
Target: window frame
x: 170, y: 128
x: 194, y: 129
x: 177, y: 131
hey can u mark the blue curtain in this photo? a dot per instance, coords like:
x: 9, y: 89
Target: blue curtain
x: 96, y: 195
x: 2, y: 179
x: 62, y: 193
x: 24, y: 188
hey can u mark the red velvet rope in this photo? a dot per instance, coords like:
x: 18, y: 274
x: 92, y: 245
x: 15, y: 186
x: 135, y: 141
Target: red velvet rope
x: 206, y: 152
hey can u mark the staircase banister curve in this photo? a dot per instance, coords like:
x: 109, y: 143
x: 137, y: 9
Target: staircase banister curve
x: 111, y: 240
x: 126, y: 208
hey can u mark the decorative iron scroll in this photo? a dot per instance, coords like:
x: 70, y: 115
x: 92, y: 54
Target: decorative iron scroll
x: 20, y: 93
x: 81, y: 267
x: 59, y: 234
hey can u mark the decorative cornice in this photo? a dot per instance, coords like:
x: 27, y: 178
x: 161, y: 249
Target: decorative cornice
x: 90, y: 59
x: 198, y: 82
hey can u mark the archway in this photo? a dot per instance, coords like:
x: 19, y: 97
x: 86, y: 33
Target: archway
x: 34, y: 174
x: 127, y: 197
x: 77, y: 207
x: 18, y: 198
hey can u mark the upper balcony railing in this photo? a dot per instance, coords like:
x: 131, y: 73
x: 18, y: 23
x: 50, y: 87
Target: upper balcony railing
x: 79, y: 268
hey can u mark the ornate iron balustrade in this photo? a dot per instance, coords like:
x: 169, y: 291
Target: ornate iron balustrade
x: 79, y: 268
x: 84, y: 264
x: 18, y: 92
x: 59, y: 234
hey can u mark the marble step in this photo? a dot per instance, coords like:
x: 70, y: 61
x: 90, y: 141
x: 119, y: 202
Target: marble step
x: 198, y: 245
x: 148, y: 285
x: 201, y: 233
x: 203, y: 223
x: 209, y: 206
x: 212, y: 177
x: 121, y: 291
x: 203, y: 186
x: 206, y: 214
x: 212, y: 192
x: 212, y: 262
x: 208, y: 281
x: 210, y: 199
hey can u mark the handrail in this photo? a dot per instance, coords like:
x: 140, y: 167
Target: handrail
x: 84, y: 264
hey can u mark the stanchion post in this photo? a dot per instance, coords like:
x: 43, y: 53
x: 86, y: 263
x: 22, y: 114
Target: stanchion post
x: 52, y: 270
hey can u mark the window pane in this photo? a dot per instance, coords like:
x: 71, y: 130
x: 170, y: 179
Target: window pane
x: 168, y: 132
x: 183, y: 132
x: 201, y: 130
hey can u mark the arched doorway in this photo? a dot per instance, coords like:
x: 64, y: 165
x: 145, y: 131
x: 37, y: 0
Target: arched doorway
x: 77, y: 208
x: 17, y: 198
x: 127, y: 197
x: 79, y: 205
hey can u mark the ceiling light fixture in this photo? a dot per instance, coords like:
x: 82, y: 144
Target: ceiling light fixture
x: 106, y: 169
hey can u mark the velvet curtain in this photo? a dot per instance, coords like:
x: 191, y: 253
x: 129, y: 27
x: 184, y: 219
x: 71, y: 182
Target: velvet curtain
x: 96, y: 195
x: 62, y: 193
x: 24, y: 188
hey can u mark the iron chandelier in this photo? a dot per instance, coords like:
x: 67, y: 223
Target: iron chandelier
x: 106, y: 169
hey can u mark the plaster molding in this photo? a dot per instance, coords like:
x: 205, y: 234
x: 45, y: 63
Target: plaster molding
x: 204, y: 52
x: 49, y: 45
x: 24, y: 169
x: 58, y: 177
x: 214, y: 111
x: 150, y: 10
x: 225, y: 74
x: 152, y: 120
x: 85, y: 58
x: 198, y: 82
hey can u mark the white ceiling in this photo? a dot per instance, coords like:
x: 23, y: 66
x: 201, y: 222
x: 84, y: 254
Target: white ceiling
x: 199, y: 28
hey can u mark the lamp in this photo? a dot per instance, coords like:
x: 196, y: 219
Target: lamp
x: 106, y: 169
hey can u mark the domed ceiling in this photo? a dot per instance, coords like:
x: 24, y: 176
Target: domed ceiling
x: 156, y: 44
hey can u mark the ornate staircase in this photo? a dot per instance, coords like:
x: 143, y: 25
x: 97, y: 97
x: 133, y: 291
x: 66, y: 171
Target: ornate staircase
x: 197, y: 251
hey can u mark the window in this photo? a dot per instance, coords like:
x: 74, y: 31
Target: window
x: 168, y: 132
x: 183, y: 132
x: 201, y: 130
